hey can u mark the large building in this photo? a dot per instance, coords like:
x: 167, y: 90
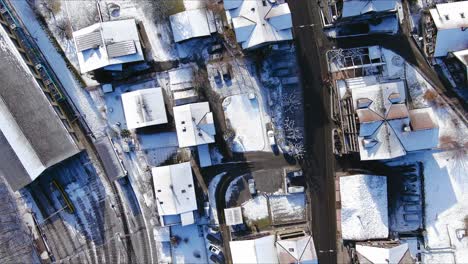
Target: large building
x: 446, y: 29
x: 34, y: 134
x: 259, y: 22
x: 175, y: 194
x: 386, y: 128
x: 108, y: 45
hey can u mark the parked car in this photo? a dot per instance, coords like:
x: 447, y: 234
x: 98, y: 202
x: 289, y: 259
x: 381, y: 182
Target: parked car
x: 226, y: 71
x: 271, y: 137
x: 214, y: 249
x: 218, y: 259
x: 293, y: 174
x: 217, y: 77
x: 216, y: 56
x: 214, y: 239
x: 252, y: 186
x: 206, y: 208
x: 215, y: 48
x: 295, y: 189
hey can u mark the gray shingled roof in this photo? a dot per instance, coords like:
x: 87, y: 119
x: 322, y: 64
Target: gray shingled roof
x: 32, y: 116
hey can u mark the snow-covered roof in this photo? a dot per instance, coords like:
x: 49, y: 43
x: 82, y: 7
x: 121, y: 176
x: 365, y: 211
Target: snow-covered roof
x: 385, y: 122
x: 451, y: 20
x: 258, y: 22
x: 144, y: 108
x: 233, y: 216
x: 300, y: 250
x: 32, y: 136
x: 260, y: 250
x: 107, y: 43
x: 462, y: 56
x: 358, y: 7
x: 175, y: 191
x: 181, y: 78
x: 111, y: 162
x: 192, y: 24
x: 450, y: 15
x: 382, y: 144
x: 419, y: 131
x: 374, y: 254
x: 194, y: 124
x: 364, y: 207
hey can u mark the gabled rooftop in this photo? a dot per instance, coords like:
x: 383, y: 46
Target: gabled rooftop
x: 194, y: 124
x: 359, y: 7
x: 33, y: 137
x: 175, y: 193
x: 376, y: 254
x: 107, y: 43
x: 258, y: 22
x: 192, y: 24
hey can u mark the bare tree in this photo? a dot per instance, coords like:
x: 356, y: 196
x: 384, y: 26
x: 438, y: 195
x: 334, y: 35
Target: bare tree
x: 291, y: 102
x: 296, y: 150
x: 64, y: 29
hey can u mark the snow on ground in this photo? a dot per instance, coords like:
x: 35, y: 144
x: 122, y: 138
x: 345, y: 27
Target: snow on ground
x: 243, y: 115
x: 452, y: 131
x: 212, y: 196
x: 191, y: 248
x: 114, y: 107
x: 73, y: 88
x: 233, y: 188
x: 287, y: 208
x: 256, y: 209
x: 446, y: 204
x: 163, y: 244
x: 158, y: 31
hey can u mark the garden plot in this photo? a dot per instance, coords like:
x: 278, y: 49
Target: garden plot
x: 244, y: 117
x: 255, y: 212
x: 190, y: 244
x: 287, y: 208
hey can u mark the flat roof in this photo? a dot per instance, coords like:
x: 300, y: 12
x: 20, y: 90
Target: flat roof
x: 37, y: 138
x: 144, y: 108
x: 174, y: 188
x: 194, y: 124
x: 364, y: 207
x: 120, y: 44
x: 450, y: 15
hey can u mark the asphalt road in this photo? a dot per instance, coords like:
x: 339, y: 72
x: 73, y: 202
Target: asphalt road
x: 319, y: 162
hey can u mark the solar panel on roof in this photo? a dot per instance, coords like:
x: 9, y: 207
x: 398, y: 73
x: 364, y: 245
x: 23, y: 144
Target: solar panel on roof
x: 121, y: 48
x: 88, y: 41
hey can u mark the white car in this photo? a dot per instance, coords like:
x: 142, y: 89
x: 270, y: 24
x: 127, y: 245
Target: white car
x: 271, y: 137
x: 214, y: 249
x: 252, y: 186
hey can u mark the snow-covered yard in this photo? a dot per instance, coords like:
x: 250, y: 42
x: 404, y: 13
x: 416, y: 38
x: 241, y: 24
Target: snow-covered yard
x: 256, y: 209
x: 244, y: 117
x: 191, y: 247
